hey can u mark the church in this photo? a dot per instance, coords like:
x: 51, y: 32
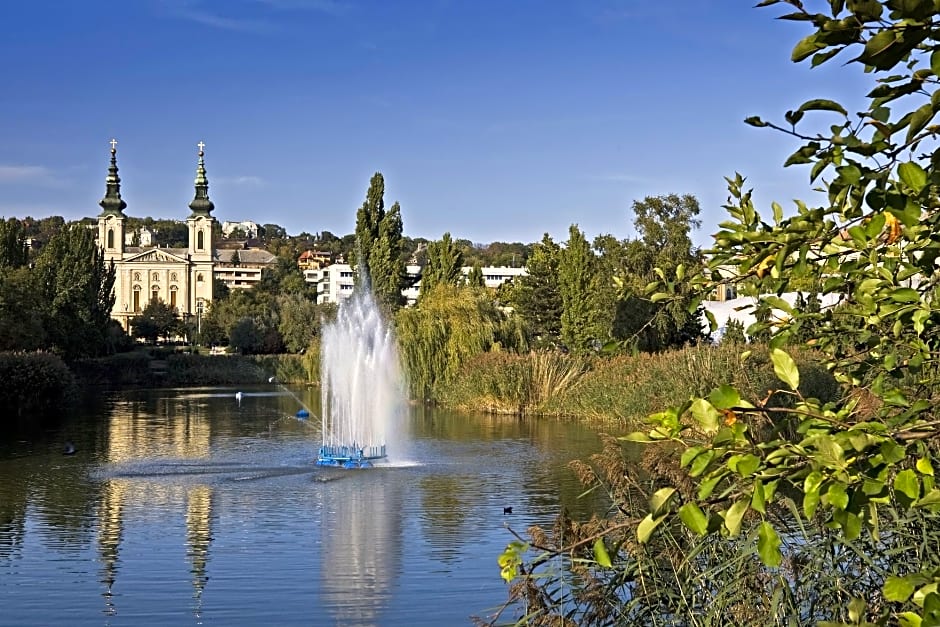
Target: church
x: 180, y: 277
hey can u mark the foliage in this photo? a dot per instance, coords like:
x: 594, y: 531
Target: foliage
x: 536, y: 298
x: 378, y: 245
x: 156, y: 320
x: 665, y: 246
x: 14, y: 253
x: 34, y: 384
x: 449, y: 326
x: 475, y: 276
x: 508, y: 383
x: 76, y: 288
x: 444, y: 261
x: 191, y: 369
x: 21, y: 311
x: 578, y: 287
x: 836, y: 500
x: 734, y: 333
x: 301, y: 320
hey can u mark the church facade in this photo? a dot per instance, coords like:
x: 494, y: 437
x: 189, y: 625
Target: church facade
x: 180, y: 277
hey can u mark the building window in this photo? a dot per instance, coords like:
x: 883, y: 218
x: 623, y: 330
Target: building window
x: 173, y: 297
x: 110, y: 238
x: 173, y: 276
x: 199, y: 278
x: 137, y: 298
x: 155, y: 293
x: 137, y: 278
x: 155, y: 276
x: 200, y: 240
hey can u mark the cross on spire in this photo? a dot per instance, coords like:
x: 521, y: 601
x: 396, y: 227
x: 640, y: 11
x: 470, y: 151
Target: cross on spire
x: 201, y: 145
x: 113, y: 145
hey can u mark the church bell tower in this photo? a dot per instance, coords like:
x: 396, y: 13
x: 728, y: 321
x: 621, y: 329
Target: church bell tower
x: 111, y: 219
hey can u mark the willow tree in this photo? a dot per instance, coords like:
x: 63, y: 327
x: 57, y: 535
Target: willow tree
x: 449, y: 326
x: 781, y: 509
x: 378, y: 245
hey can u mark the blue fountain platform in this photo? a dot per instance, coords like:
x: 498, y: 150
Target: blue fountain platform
x: 350, y: 456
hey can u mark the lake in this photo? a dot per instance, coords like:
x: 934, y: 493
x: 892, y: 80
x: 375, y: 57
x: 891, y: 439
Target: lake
x: 183, y: 506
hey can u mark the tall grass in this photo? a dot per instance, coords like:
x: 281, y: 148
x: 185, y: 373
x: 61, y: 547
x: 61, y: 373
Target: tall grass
x: 624, y: 388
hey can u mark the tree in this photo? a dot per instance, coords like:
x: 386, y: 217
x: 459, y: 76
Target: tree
x: 76, y: 287
x: 378, y: 245
x: 664, y: 224
x: 779, y: 509
x: 475, y: 276
x: 578, y: 288
x: 443, y: 265
x: 536, y: 297
x: 14, y: 252
x: 157, y: 320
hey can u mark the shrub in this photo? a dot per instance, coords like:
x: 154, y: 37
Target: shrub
x: 34, y: 385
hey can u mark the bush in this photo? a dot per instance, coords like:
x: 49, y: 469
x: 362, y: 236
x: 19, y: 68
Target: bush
x: 190, y: 369
x: 34, y: 385
x: 122, y: 369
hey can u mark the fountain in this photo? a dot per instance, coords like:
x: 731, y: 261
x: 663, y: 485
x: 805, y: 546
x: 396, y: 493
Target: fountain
x: 361, y: 394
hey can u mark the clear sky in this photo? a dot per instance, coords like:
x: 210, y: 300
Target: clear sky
x: 495, y: 120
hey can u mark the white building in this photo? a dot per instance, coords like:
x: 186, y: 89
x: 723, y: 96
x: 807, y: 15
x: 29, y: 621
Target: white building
x: 249, y: 228
x: 336, y: 281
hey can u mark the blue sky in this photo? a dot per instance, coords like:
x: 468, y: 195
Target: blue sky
x: 493, y: 120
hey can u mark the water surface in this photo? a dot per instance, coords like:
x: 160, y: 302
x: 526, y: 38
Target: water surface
x: 186, y: 507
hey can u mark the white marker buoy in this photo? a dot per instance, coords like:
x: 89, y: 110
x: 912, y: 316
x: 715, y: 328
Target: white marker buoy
x: 238, y: 397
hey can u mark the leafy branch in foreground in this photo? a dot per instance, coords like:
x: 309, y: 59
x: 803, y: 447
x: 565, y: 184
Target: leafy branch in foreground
x: 786, y: 509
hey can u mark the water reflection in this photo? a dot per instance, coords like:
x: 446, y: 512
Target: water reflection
x: 198, y: 539
x: 361, y: 537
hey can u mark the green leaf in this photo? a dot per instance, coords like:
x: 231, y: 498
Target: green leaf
x: 646, y: 527
x: 898, y: 589
x: 821, y: 104
x: 919, y: 119
x: 690, y: 454
x: 785, y: 368
x: 636, y: 436
x: 706, y: 488
x: 705, y: 415
x: 755, y: 121
x: 724, y: 397
x: 734, y: 516
x: 805, y: 47
x: 701, y: 462
x: 907, y: 483
x: 905, y: 295
x: 924, y: 466
x: 745, y: 465
x: 768, y: 545
x: 660, y: 499
x: 913, y: 176
x: 600, y: 553
x: 837, y: 496
x: 758, y: 498
x: 694, y: 518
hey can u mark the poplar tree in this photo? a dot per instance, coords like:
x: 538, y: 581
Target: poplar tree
x: 444, y: 261
x: 378, y: 245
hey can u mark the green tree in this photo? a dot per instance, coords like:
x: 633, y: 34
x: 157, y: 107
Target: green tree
x: 536, y: 297
x: 157, y: 320
x: 76, y: 287
x: 790, y: 511
x: 444, y: 261
x: 14, y: 252
x: 475, y: 276
x: 664, y: 224
x: 21, y: 311
x: 579, y: 289
x: 378, y: 245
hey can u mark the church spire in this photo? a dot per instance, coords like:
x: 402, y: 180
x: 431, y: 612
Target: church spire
x: 112, y: 204
x: 201, y: 205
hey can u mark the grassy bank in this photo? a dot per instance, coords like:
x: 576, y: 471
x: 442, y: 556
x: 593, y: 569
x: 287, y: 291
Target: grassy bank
x: 624, y: 388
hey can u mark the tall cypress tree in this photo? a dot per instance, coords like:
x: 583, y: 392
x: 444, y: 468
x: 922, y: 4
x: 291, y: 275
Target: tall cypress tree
x: 536, y: 298
x: 578, y: 288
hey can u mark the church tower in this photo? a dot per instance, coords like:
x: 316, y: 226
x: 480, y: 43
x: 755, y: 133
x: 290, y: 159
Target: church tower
x: 201, y: 246
x: 111, y: 219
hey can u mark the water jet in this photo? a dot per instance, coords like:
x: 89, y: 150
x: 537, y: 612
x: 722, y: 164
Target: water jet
x: 361, y: 392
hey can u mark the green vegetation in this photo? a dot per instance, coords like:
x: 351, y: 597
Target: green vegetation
x: 379, y: 245
x: 785, y: 507
x: 33, y: 385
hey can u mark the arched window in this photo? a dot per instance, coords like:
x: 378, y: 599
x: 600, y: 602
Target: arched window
x: 173, y: 297
x: 155, y: 276
x: 137, y: 298
x: 200, y: 240
x: 110, y: 238
x: 155, y: 292
x: 199, y: 278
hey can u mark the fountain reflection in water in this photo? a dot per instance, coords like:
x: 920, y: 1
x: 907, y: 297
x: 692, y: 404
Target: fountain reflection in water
x: 362, y: 392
